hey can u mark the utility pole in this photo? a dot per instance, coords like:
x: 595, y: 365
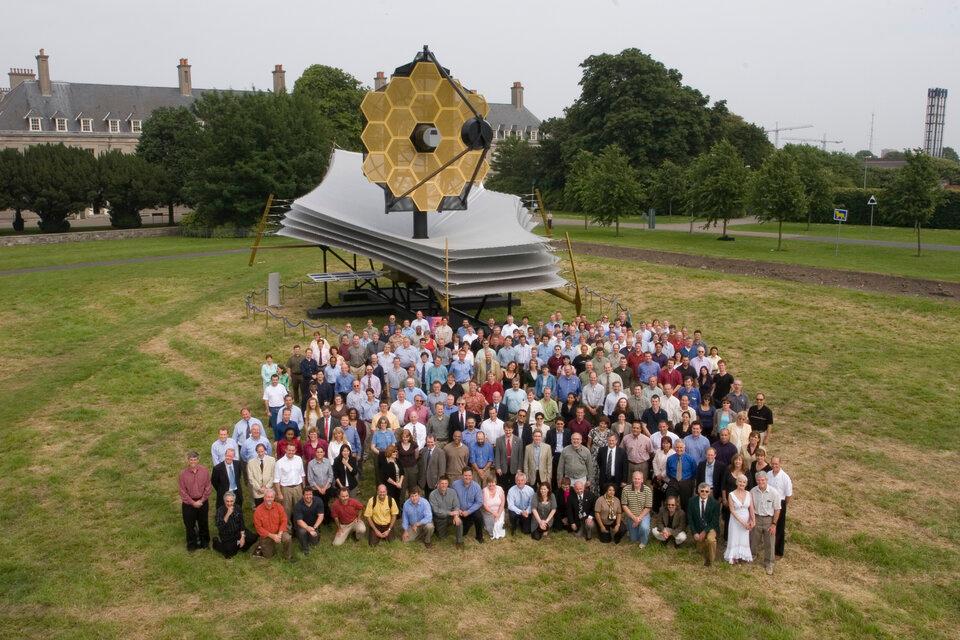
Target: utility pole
x: 870, y: 149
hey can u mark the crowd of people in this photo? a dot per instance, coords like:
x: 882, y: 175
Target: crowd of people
x: 605, y: 429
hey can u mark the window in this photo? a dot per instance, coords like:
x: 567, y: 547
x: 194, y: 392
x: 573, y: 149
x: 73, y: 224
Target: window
x: 533, y: 134
x: 61, y: 124
x: 114, y: 126
x: 136, y: 126
x: 86, y: 125
x: 35, y: 124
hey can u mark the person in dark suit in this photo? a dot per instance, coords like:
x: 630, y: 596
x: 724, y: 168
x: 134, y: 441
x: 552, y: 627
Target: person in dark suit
x: 580, y: 508
x: 703, y: 518
x: 228, y: 476
x: 431, y: 465
x: 326, y: 424
x: 557, y: 438
x: 521, y: 427
x: 612, y: 464
x: 562, y: 494
x: 507, y: 457
x: 499, y: 405
x: 458, y: 419
x: 717, y: 474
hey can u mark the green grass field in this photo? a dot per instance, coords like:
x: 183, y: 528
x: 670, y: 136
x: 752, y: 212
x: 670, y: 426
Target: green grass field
x: 135, y: 364
x: 894, y: 234
x: 935, y: 265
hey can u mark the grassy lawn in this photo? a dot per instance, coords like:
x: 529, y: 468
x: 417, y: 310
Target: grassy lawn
x: 935, y: 265
x: 134, y: 364
x: 894, y: 234
x: 661, y: 219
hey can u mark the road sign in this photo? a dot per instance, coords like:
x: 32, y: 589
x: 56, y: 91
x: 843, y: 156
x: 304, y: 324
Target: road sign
x: 840, y: 215
x: 872, y: 201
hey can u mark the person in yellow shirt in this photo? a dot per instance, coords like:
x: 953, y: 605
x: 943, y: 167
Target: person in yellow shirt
x: 381, y: 516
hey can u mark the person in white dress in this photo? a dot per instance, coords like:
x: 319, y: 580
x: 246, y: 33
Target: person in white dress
x: 494, y: 509
x: 742, y: 520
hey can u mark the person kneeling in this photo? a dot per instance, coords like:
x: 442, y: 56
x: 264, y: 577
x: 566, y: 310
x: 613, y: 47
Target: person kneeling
x: 609, y: 516
x: 270, y: 521
x: 670, y: 523
x: 307, y: 517
x: 417, y: 519
x: 234, y: 537
x: 381, y: 514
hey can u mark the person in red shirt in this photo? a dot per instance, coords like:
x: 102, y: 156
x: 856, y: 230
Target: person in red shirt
x: 580, y: 424
x: 490, y: 386
x: 270, y: 521
x: 346, y: 512
x: 194, y: 498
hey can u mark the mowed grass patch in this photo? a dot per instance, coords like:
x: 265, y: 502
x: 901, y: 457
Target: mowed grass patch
x: 858, y: 231
x: 932, y: 265
x: 156, y: 356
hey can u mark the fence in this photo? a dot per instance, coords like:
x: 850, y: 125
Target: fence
x: 251, y: 309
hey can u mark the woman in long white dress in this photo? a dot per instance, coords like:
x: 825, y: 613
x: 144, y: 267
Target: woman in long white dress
x: 742, y: 520
x: 494, y: 509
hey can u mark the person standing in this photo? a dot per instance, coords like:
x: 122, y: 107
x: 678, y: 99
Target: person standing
x: 226, y: 477
x: 288, y: 475
x: 761, y: 418
x: 296, y: 374
x: 779, y: 480
x: 703, y: 518
x: 742, y: 521
x: 194, y: 498
x: 470, y: 498
x: 507, y: 457
x: 766, y: 509
x: 431, y: 466
x: 538, y: 461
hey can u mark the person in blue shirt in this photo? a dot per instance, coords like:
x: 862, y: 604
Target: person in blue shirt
x: 647, y: 368
x: 520, y: 504
x: 417, y: 519
x: 507, y: 353
x: 249, y: 449
x: 461, y: 369
x: 568, y: 383
x: 344, y: 382
x: 690, y: 390
x: 436, y: 373
x: 696, y: 443
x: 545, y: 380
x: 481, y: 457
x: 351, y: 435
x: 681, y: 472
x: 514, y: 397
x: 471, y: 500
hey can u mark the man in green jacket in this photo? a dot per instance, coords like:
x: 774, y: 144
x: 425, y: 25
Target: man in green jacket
x: 703, y: 517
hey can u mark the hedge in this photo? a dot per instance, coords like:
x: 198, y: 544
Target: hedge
x: 947, y: 215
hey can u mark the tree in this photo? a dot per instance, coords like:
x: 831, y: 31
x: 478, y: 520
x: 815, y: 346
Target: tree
x: 750, y: 140
x: 169, y: 142
x: 667, y: 187
x: 818, y: 180
x: 13, y: 193
x: 252, y: 145
x: 915, y: 192
x: 863, y: 154
x: 950, y: 154
x: 574, y: 192
x: 513, y: 167
x: 611, y: 188
x: 718, y: 185
x: 337, y: 95
x: 129, y: 184
x: 776, y: 192
x: 58, y: 181
x: 636, y: 102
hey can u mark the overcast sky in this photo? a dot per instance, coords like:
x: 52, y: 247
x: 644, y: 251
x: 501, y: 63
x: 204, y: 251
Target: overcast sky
x: 828, y: 64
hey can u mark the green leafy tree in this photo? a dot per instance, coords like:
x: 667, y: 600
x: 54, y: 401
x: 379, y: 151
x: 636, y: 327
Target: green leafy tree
x: 750, y: 140
x: 818, y: 180
x: 13, y: 193
x: 636, y: 102
x: 128, y: 184
x: 513, y: 167
x: 718, y: 185
x: 169, y: 142
x: 776, y: 192
x: 252, y: 145
x: 611, y: 188
x: 668, y: 187
x: 863, y: 154
x: 915, y: 192
x: 337, y: 95
x: 574, y: 192
x: 950, y: 154
x: 58, y: 181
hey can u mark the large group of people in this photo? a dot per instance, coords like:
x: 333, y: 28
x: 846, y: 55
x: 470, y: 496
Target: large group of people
x: 605, y: 429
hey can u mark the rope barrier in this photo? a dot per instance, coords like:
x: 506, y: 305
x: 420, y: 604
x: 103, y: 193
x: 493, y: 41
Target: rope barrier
x: 250, y: 307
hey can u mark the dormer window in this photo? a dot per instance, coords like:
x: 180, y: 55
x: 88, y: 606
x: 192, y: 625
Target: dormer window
x: 61, y: 124
x: 114, y: 126
x: 35, y: 124
x: 136, y: 126
x: 533, y: 135
x: 86, y: 125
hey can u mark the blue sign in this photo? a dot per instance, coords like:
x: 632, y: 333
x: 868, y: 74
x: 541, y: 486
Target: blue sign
x: 840, y: 215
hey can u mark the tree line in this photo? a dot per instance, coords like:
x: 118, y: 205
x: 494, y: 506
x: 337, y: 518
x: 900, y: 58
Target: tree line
x: 221, y: 156
x: 638, y: 138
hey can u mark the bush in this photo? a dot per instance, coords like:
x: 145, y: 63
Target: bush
x: 854, y: 200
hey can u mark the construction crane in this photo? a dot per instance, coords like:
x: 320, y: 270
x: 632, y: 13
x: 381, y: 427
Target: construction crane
x: 777, y: 129
x: 823, y: 141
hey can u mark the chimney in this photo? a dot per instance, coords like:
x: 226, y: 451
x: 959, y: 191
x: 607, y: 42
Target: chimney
x: 17, y: 76
x: 43, y: 69
x: 380, y: 81
x: 516, y: 95
x: 183, y: 73
x: 279, y: 79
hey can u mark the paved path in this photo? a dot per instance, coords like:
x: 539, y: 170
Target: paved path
x: 732, y: 230
x: 111, y: 263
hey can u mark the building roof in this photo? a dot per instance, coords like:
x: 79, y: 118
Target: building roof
x: 75, y: 100
x: 508, y: 117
